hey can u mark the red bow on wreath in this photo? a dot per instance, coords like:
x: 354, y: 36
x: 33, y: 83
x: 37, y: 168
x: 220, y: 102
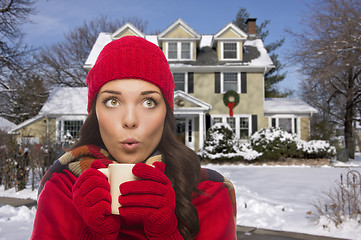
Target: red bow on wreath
x: 230, y: 106
x: 231, y: 100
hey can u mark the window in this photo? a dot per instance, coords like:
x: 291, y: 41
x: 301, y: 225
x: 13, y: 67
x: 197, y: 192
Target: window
x: 72, y: 128
x: 243, y: 127
x: 172, y: 51
x: 229, y: 50
x: 230, y: 82
x: 186, y: 51
x: 232, y: 123
x: 285, y: 124
x: 179, y: 50
x: 217, y: 120
x: 179, y: 81
x: 241, y: 124
x: 68, y: 129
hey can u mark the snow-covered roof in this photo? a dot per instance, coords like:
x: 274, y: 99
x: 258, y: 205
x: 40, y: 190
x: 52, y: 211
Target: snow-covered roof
x: 206, y: 41
x: 65, y: 101
x: 152, y: 39
x: 6, y: 125
x: 255, y: 55
x: 287, y: 106
x: 102, y: 40
x: 264, y: 59
x: 25, y: 123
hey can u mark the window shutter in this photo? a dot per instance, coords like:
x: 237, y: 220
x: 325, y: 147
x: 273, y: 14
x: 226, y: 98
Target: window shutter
x: 190, y: 82
x: 217, y: 82
x: 254, y: 123
x: 243, y: 82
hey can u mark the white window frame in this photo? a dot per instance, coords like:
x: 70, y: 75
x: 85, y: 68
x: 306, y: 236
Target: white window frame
x: 59, y: 133
x: 179, y: 51
x: 238, y: 90
x: 185, y: 80
x: 237, y: 118
x: 295, y: 129
x: 238, y: 58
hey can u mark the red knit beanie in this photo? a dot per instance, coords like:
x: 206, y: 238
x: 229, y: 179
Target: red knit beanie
x: 131, y: 58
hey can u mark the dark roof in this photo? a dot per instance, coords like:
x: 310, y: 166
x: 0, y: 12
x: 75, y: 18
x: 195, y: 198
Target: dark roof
x: 208, y: 56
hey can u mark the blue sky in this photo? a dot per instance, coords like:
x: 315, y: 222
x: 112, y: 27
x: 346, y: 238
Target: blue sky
x: 56, y: 17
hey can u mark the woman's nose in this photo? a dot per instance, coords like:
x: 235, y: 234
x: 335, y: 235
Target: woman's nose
x: 130, y: 119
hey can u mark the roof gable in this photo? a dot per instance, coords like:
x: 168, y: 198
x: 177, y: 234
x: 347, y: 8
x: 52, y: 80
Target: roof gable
x: 183, y: 101
x: 66, y: 101
x: 179, y: 29
x: 230, y: 31
x: 127, y: 30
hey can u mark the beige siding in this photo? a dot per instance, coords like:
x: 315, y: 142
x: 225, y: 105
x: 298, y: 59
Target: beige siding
x: 38, y: 129
x: 179, y: 32
x: 249, y: 103
x: 305, y: 128
x: 265, y: 125
x: 127, y: 32
x: 229, y: 34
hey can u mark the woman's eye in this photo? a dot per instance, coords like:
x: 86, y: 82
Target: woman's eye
x: 149, y: 103
x: 111, y: 103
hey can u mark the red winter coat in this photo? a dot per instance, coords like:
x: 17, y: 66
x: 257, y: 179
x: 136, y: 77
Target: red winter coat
x: 57, y: 217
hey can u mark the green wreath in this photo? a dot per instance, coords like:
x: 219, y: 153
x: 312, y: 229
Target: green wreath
x: 231, y: 96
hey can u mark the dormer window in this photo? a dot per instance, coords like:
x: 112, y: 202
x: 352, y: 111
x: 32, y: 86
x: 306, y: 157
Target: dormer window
x: 179, y: 50
x: 230, y: 51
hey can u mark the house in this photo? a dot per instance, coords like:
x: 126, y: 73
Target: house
x: 58, y: 120
x: 218, y: 78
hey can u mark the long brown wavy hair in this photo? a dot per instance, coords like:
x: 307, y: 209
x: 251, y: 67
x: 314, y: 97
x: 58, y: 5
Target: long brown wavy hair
x: 182, y: 167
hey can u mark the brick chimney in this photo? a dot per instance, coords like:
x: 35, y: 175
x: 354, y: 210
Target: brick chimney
x: 251, y: 27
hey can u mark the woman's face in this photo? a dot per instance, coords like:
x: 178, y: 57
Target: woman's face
x: 131, y: 116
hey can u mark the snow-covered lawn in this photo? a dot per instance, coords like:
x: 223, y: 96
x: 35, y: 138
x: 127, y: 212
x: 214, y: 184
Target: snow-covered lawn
x: 271, y: 197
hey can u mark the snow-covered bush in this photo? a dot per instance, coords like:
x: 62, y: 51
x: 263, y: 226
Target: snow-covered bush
x: 220, y: 139
x: 222, y: 144
x: 275, y: 143
x: 267, y: 144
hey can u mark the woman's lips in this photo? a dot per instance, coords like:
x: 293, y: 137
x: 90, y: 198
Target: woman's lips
x: 130, y: 144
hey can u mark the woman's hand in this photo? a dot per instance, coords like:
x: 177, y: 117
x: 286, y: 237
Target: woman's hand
x: 91, y: 196
x: 150, y: 201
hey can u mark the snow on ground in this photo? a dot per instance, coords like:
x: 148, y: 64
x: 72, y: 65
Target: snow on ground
x: 270, y: 197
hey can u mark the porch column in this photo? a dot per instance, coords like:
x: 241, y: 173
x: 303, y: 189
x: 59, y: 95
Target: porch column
x: 202, y: 123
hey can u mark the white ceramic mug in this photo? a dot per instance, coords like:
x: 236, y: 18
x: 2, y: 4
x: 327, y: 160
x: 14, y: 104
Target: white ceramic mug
x: 117, y: 174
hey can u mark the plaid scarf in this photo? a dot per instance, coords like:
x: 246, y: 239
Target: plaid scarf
x: 80, y: 159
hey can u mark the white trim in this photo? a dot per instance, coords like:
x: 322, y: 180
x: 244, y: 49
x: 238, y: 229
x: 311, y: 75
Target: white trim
x: 237, y: 118
x: 184, y: 25
x: 289, y: 116
x: 234, y: 28
x: 185, y: 81
x: 238, y: 82
x: 238, y: 58
x: 179, y: 51
x: 126, y: 26
x: 59, y: 125
x: 203, y: 106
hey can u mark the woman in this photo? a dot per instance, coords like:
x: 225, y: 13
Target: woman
x: 131, y: 120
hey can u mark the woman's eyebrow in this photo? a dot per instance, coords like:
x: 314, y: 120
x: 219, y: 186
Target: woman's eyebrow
x: 112, y: 92
x: 149, y: 92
